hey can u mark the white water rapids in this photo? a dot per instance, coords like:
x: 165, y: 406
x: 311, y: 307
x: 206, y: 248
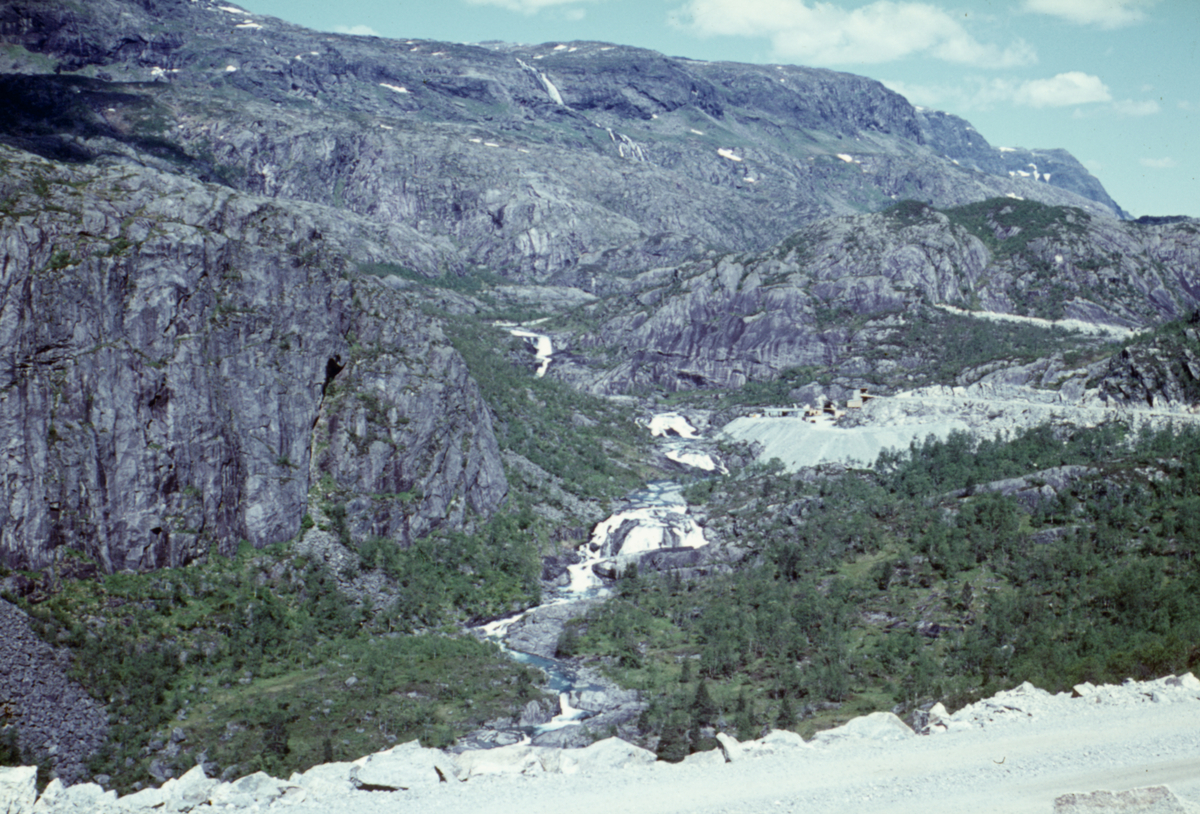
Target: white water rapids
x: 652, y: 518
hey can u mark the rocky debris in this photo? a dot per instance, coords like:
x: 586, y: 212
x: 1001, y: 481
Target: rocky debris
x: 1148, y: 800
x: 82, y: 798
x: 55, y: 718
x: 1026, y: 702
x: 403, y: 767
x: 412, y: 767
x: 18, y: 789
x: 877, y: 726
x: 168, y: 360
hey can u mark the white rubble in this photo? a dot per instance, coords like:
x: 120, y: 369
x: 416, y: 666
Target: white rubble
x: 18, y: 789
x: 874, y: 763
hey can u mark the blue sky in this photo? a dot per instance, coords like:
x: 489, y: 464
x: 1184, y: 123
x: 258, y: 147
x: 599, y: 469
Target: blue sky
x: 1116, y: 82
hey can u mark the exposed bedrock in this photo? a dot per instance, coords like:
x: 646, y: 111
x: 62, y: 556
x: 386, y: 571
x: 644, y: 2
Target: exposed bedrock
x: 168, y: 348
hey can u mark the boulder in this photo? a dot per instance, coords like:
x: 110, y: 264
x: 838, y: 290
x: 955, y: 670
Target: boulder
x: 710, y: 757
x: 730, y: 748
x: 83, y: 797
x: 18, y: 789
x: 406, y: 766
x: 255, y: 789
x: 576, y: 736
x: 1148, y: 800
x: 534, y: 713
x: 189, y: 791
x: 777, y: 741
x: 605, y: 756
x: 328, y: 780
x: 519, y: 758
x: 144, y: 799
x: 878, y: 726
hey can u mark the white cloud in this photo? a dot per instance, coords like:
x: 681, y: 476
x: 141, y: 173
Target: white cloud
x: 523, y: 6
x: 1128, y: 107
x: 823, y: 34
x: 1184, y: 105
x: 978, y: 93
x: 357, y: 30
x: 1062, y: 90
x: 1158, y: 163
x: 1102, y: 13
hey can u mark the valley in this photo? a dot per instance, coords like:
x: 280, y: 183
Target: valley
x: 356, y: 391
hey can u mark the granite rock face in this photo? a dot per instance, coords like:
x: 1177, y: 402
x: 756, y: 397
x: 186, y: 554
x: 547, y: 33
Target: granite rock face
x: 168, y: 348
x: 846, y: 284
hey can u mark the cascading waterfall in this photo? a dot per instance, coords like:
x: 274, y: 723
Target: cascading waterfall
x: 653, y: 518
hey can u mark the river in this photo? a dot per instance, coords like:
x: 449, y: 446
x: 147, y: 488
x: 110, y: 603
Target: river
x: 653, y: 517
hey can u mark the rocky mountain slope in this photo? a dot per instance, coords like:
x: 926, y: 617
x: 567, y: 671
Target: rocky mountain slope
x: 556, y: 162
x: 183, y: 364
x: 851, y: 295
x: 397, y: 307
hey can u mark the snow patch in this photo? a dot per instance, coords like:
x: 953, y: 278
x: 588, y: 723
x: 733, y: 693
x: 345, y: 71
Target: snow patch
x: 560, y: 48
x: 724, y: 153
x: 1007, y: 149
x: 230, y: 68
x: 1014, y: 196
x: 396, y: 88
x: 697, y: 132
x: 248, y: 25
x: 233, y: 10
x: 849, y: 159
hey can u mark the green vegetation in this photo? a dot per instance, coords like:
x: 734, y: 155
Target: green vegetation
x: 459, y: 576
x: 265, y: 665
x: 590, y: 443
x: 913, y: 582
x: 953, y: 343
x: 1171, y: 352
x: 472, y: 283
x: 1007, y: 226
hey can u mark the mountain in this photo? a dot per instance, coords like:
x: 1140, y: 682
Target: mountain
x: 316, y: 347
x: 210, y: 181
x: 539, y: 163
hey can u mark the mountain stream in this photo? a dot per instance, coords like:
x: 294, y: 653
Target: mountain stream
x: 652, y: 518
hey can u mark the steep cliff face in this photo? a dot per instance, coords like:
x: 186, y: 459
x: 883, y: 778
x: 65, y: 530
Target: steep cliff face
x: 539, y: 162
x: 168, y: 348
x: 838, y: 287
